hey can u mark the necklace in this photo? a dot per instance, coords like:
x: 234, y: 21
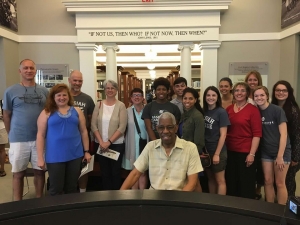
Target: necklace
x: 240, y: 107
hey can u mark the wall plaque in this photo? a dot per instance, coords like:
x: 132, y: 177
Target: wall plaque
x: 49, y: 75
x: 238, y: 71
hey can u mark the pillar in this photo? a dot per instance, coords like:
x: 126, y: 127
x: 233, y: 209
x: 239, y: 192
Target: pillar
x: 209, y: 64
x: 185, y: 49
x: 111, y: 60
x: 87, y: 64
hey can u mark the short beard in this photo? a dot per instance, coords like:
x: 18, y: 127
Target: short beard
x: 76, y: 89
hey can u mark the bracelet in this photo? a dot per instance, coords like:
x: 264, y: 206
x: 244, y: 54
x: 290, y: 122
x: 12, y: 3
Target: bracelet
x: 110, y: 141
x: 251, y: 154
x: 86, y: 151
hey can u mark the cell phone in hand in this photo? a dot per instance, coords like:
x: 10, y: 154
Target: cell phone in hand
x: 83, y: 163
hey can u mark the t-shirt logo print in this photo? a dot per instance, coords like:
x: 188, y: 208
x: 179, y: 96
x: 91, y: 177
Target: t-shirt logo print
x: 31, y: 98
x: 263, y: 119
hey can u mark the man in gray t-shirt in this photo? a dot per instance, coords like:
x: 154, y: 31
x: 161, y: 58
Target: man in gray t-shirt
x: 87, y: 105
x: 179, y: 85
x: 23, y: 103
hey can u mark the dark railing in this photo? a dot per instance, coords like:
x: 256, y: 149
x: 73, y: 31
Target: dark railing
x: 144, y: 207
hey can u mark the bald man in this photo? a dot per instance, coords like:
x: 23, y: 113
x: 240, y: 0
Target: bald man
x: 86, y: 104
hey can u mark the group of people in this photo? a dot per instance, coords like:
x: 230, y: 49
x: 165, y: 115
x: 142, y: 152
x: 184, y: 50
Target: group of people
x: 58, y: 121
x: 262, y: 139
x: 251, y: 142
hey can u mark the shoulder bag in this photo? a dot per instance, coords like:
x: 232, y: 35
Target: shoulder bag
x: 205, y: 158
x: 142, y: 142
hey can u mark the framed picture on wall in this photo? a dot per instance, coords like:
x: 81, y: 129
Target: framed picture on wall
x: 290, y: 12
x: 48, y: 75
x: 8, y: 14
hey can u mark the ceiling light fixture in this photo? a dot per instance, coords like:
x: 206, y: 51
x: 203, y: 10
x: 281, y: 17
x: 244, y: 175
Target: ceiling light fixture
x: 152, y: 74
x: 150, y: 55
x: 151, y: 66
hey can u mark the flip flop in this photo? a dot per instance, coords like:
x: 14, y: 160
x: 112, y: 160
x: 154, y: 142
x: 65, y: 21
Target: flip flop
x: 2, y: 174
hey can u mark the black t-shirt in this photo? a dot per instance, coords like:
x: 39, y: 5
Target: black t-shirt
x: 153, y: 110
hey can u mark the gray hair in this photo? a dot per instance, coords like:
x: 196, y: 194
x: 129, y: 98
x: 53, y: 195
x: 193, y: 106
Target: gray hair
x: 112, y: 82
x: 167, y: 115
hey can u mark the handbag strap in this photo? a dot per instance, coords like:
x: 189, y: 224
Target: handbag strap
x: 136, y: 124
x: 204, y: 150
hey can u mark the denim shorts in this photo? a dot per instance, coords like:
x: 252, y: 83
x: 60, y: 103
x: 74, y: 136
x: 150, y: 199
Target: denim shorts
x: 265, y: 157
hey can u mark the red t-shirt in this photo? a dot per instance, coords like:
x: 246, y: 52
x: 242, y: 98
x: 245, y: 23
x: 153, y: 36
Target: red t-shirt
x: 245, y: 125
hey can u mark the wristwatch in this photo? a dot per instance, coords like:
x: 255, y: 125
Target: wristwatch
x: 86, y: 151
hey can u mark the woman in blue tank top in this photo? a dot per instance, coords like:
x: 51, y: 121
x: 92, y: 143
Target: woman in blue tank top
x: 63, y: 127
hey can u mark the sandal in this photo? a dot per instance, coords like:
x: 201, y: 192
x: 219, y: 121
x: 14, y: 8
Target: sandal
x: 2, y: 174
x: 257, y: 196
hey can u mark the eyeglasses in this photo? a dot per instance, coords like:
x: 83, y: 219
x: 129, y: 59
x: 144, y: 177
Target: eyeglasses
x: 137, y: 95
x: 161, y: 128
x: 110, y: 88
x: 34, y: 98
x: 282, y: 91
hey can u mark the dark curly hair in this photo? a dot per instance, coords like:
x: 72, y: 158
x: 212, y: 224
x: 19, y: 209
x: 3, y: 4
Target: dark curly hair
x: 161, y: 81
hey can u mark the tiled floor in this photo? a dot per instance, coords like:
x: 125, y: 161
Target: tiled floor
x: 6, y: 186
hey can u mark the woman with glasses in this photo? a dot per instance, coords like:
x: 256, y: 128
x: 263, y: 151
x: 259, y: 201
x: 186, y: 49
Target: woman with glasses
x: 109, y: 121
x: 133, y: 135
x: 225, y: 87
x: 216, y: 122
x: 242, y: 141
x: 274, y: 145
x: 283, y: 96
x: 191, y: 125
x: 62, y: 130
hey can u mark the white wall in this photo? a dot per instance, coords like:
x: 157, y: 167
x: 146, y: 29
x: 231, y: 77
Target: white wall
x: 252, y: 16
x: 9, y: 64
x: 250, y: 51
x: 44, y: 17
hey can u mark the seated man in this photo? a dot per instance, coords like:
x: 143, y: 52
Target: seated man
x: 173, y: 163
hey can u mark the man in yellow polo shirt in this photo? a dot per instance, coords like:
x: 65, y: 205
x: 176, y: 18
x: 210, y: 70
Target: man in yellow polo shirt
x: 173, y: 163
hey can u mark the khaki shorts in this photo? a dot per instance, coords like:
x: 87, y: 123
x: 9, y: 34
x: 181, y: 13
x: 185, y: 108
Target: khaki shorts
x: 20, y: 154
x: 3, y: 136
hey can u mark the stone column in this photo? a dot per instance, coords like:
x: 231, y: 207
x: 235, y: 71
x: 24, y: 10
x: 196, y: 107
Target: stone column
x: 185, y: 49
x: 87, y: 64
x: 209, y: 64
x: 111, y: 60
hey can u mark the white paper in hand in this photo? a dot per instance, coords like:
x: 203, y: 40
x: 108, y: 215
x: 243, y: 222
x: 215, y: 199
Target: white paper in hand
x: 109, y: 154
x: 88, y: 168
